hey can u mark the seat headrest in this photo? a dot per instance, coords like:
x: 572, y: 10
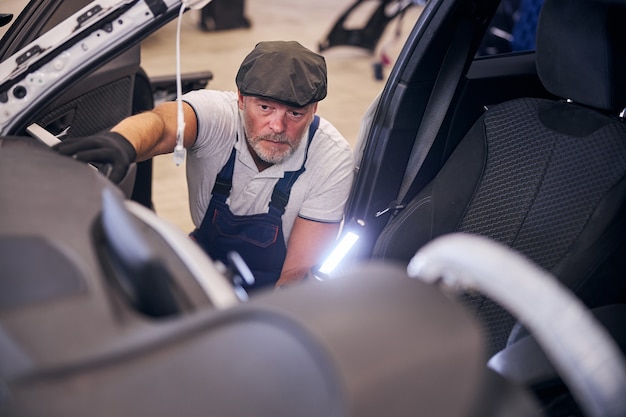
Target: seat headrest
x: 581, y: 51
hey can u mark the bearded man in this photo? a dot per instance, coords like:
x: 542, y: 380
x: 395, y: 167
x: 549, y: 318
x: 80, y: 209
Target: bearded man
x: 267, y: 177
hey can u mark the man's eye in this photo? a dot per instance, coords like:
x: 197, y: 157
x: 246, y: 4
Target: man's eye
x: 296, y: 114
x: 264, y: 107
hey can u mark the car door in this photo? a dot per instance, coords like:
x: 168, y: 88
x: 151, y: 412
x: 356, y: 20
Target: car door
x: 108, y: 89
x: 437, y: 89
x: 77, y: 109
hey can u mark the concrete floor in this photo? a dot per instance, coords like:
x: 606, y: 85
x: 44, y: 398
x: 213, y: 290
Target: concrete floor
x: 352, y: 85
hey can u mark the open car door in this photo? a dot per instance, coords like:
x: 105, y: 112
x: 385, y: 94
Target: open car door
x: 82, y: 77
x: 77, y: 109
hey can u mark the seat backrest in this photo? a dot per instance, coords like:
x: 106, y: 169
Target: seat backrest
x: 547, y: 178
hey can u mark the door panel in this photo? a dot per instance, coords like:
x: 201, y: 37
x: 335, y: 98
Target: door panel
x: 78, y: 110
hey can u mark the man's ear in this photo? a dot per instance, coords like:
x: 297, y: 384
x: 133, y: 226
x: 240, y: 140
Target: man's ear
x: 240, y: 100
x: 314, y: 110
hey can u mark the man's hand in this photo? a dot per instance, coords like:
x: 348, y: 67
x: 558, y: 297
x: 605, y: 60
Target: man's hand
x: 308, y: 242
x: 106, y: 148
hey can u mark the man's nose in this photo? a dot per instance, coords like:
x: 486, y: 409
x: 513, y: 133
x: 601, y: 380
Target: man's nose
x: 277, y: 122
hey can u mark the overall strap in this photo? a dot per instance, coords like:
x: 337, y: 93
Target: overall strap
x: 224, y: 180
x: 282, y: 189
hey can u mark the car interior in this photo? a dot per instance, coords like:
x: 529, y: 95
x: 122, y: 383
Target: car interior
x: 543, y: 174
x: 524, y: 148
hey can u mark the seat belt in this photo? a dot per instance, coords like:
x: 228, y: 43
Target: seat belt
x: 441, y: 97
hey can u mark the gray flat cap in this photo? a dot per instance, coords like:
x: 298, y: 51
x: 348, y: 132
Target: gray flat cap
x: 284, y: 71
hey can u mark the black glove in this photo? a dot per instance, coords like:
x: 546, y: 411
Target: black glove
x: 107, y: 148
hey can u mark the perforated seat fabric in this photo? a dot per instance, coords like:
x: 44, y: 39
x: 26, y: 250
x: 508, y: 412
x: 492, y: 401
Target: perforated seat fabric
x: 540, y: 187
x: 547, y: 178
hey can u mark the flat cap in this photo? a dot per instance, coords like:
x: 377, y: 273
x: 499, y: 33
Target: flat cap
x: 284, y: 71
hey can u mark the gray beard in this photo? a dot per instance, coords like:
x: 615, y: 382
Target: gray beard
x: 271, y: 157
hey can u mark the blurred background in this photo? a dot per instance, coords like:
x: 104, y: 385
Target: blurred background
x: 218, y: 38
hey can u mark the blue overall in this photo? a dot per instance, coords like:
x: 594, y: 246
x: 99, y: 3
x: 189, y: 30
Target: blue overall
x: 258, y: 238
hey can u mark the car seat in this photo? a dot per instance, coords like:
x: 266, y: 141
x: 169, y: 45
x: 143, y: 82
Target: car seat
x: 545, y: 177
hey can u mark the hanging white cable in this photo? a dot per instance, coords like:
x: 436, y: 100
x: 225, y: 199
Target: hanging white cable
x: 179, y: 150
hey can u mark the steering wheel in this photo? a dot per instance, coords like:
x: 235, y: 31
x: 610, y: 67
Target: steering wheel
x: 583, y: 353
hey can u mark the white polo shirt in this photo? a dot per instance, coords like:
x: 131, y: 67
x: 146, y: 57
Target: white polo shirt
x: 320, y: 194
